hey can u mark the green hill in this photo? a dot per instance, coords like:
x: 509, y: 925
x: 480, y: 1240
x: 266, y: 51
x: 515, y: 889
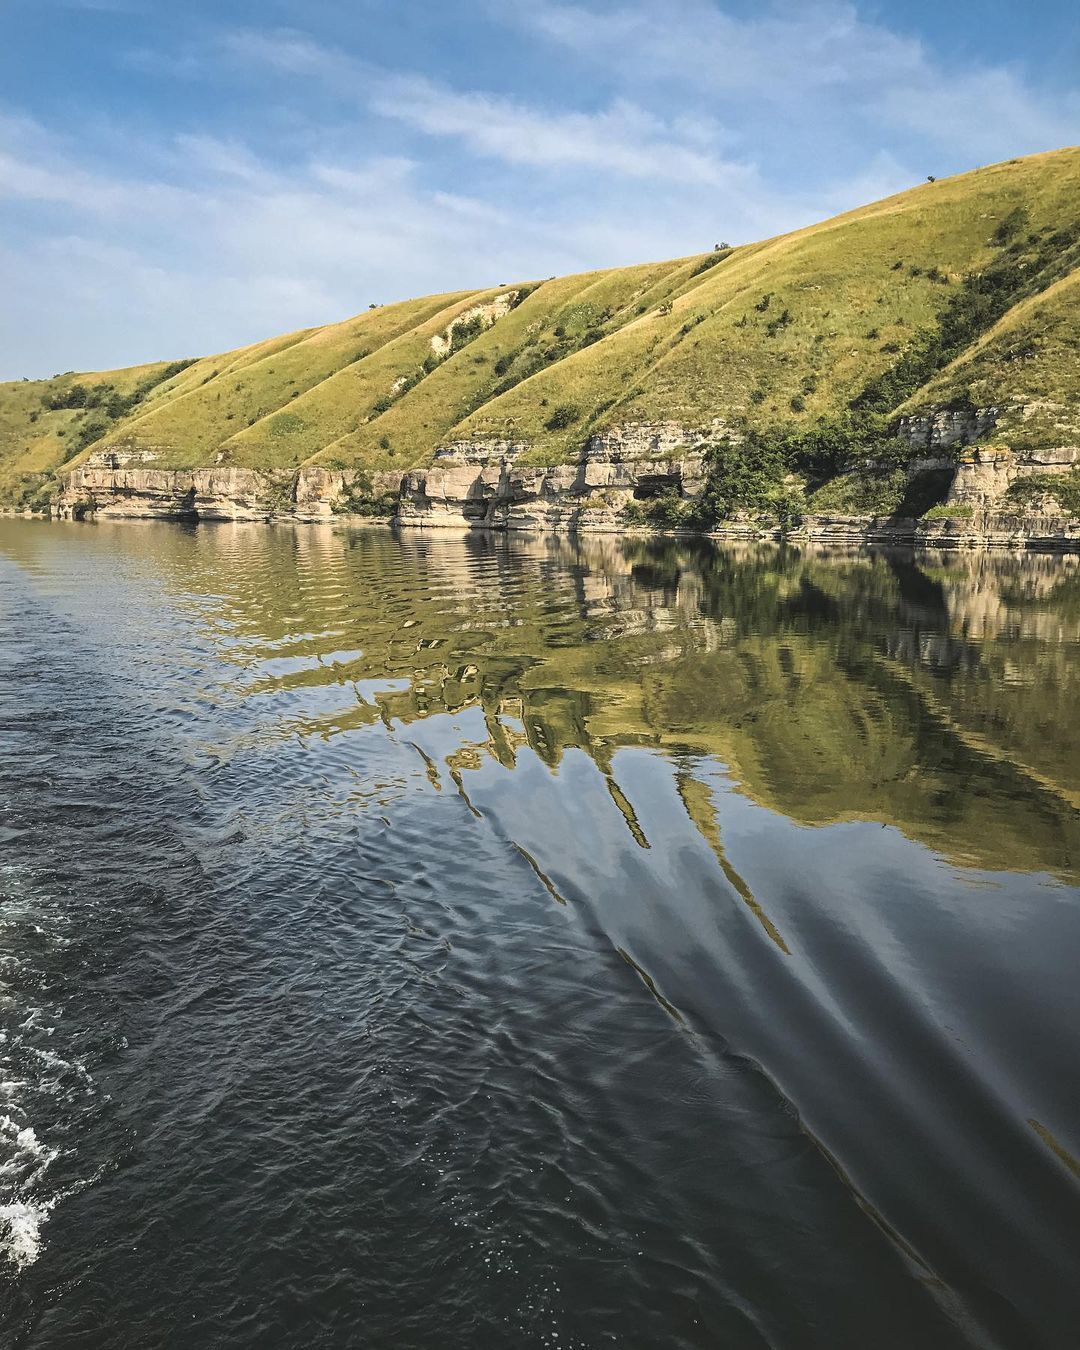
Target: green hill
x: 804, y: 349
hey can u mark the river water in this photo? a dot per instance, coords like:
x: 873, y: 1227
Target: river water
x: 426, y: 943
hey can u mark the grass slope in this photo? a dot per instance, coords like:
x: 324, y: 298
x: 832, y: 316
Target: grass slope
x: 36, y: 440
x: 963, y: 290
x: 1029, y: 359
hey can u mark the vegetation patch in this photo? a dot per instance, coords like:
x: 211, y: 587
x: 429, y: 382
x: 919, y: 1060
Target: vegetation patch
x: 862, y: 492
x: 1023, y: 268
x: 1063, y: 488
x: 709, y: 262
x: 361, y: 499
x: 565, y: 415
x: 284, y: 424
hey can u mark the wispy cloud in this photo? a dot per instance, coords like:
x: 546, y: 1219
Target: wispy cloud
x: 219, y: 247
x: 621, y: 139
x: 286, y: 50
x: 821, y: 58
x: 283, y: 180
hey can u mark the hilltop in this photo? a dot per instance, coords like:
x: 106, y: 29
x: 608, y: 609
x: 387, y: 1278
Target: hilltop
x: 802, y: 372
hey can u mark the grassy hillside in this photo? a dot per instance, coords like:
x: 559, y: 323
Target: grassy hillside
x: 46, y: 424
x: 1028, y: 359
x: 962, y: 291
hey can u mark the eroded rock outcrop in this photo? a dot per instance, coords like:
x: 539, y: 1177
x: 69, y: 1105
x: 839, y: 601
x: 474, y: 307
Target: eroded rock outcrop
x: 219, y: 493
x: 486, y: 484
x: 486, y: 314
x: 984, y: 475
x: 945, y: 427
x: 492, y: 485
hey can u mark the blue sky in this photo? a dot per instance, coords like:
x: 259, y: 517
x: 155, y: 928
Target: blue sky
x: 182, y: 178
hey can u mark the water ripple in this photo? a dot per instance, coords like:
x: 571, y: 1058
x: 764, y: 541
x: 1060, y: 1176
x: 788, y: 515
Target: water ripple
x: 455, y: 942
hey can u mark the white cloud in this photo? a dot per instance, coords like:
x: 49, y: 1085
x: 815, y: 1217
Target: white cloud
x: 222, y: 247
x: 776, y: 53
x: 288, y: 51
x: 695, y: 125
x: 622, y: 139
x: 820, y: 60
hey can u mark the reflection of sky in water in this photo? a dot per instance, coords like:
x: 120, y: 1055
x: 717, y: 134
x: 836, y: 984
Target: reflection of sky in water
x: 817, y: 815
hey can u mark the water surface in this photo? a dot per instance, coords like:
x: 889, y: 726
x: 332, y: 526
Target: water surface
x: 435, y: 942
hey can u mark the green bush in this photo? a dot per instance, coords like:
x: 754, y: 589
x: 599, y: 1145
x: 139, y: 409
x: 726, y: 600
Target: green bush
x: 72, y: 397
x: 91, y: 430
x: 35, y: 494
x: 1063, y: 488
x: 741, y: 477
x: 721, y: 252
x: 667, y: 512
x: 782, y: 320
x: 360, y: 499
x: 465, y: 331
x: 1013, y: 224
x: 565, y: 415
x: 664, y: 512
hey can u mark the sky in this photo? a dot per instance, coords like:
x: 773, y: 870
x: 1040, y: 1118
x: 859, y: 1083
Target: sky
x: 182, y: 178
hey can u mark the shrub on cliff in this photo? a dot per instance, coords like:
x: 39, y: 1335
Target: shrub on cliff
x: 744, y: 476
x: 91, y: 430
x: 664, y: 512
x: 565, y: 415
x: 464, y: 332
x: 1063, y: 488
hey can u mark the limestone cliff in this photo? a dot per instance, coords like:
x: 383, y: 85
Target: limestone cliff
x: 490, y: 485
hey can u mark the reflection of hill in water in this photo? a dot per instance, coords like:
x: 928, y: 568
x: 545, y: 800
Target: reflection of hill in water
x: 934, y: 694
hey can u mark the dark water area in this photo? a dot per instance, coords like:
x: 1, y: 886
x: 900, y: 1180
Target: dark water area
x: 435, y: 942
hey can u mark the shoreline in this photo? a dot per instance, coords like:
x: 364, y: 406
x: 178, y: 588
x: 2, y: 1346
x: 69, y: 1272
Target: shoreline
x: 992, y: 532
x: 609, y: 489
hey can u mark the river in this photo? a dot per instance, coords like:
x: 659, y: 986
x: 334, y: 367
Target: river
x: 415, y: 942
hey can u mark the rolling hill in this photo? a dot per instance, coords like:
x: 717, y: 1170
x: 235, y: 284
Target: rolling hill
x: 803, y: 352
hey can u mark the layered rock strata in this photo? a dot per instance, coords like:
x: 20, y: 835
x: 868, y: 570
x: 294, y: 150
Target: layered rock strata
x: 487, y: 485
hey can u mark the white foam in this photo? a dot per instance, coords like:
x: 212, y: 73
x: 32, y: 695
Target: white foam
x: 55, y: 1061
x: 20, y: 1231
x: 24, y: 1138
x: 29, y: 1071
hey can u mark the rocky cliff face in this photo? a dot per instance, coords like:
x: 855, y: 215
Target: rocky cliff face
x: 469, y: 484
x: 486, y: 485
x: 473, y: 484
x: 984, y: 475
x: 161, y: 494
x: 107, y: 489
x: 947, y: 427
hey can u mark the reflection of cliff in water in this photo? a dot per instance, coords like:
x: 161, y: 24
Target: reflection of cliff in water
x: 933, y: 693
